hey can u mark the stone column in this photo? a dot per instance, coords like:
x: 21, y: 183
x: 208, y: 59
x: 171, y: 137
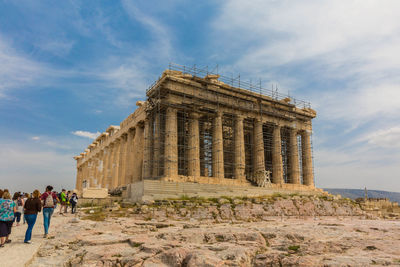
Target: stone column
x: 157, y: 146
x: 138, y: 154
x: 110, y: 166
x: 171, y: 143
x: 259, y: 156
x: 146, y: 150
x: 100, y: 169
x: 105, y: 167
x: 194, y: 145
x: 239, y: 149
x: 277, y: 167
x: 115, y: 164
x: 129, y: 159
x: 79, y: 179
x: 308, y: 177
x: 294, y: 158
x: 122, y: 160
x: 96, y: 170
x: 91, y: 172
x: 218, y: 148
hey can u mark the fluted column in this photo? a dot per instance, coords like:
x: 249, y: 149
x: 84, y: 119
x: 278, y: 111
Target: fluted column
x: 104, y: 176
x: 129, y: 159
x: 218, y: 148
x: 114, y: 177
x: 259, y: 157
x: 239, y: 149
x: 138, y: 142
x: 110, y: 165
x: 277, y: 167
x: 79, y: 179
x: 194, y: 145
x: 294, y: 158
x: 122, y: 159
x: 157, y: 145
x: 308, y: 176
x: 100, y: 169
x: 146, y: 150
x: 171, y: 143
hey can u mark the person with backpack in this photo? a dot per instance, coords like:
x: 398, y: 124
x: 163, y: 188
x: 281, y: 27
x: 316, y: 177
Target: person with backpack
x: 73, y: 201
x: 48, y: 198
x: 19, y: 204
x: 31, y: 209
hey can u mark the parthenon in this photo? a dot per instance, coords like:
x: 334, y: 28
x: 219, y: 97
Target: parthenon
x: 200, y: 127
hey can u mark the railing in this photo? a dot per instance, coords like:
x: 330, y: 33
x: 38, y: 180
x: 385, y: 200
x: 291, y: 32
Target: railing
x: 235, y: 82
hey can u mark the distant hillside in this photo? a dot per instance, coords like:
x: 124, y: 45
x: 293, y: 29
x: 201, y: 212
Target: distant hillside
x: 356, y: 193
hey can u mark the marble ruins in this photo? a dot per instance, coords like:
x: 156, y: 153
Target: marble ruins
x: 197, y: 128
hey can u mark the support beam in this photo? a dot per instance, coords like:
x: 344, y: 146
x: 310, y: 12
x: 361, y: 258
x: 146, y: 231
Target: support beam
x: 218, y: 148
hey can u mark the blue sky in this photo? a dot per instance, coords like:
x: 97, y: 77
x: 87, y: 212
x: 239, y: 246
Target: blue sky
x: 69, y: 69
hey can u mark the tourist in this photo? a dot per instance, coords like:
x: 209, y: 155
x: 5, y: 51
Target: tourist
x: 67, y: 197
x: 48, y: 198
x: 73, y: 201
x: 1, y: 193
x: 63, y: 199
x: 31, y: 209
x: 19, y: 204
x: 25, y: 198
x: 7, y: 210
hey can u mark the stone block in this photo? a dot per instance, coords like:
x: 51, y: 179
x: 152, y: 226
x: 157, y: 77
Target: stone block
x: 95, y: 193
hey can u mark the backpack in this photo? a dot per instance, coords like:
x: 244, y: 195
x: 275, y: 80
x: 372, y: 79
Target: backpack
x: 19, y: 202
x: 49, y: 202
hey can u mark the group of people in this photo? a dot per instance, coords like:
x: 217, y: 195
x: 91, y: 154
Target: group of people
x: 28, y: 206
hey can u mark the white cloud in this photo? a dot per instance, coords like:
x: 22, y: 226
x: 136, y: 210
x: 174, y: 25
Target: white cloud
x: 86, y: 134
x: 35, y: 138
x: 16, y: 69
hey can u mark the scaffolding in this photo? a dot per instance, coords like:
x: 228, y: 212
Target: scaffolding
x: 197, y: 109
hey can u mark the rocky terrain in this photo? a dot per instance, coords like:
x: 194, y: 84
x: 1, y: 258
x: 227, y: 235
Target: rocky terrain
x: 273, y: 231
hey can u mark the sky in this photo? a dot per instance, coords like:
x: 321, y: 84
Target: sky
x: 69, y: 69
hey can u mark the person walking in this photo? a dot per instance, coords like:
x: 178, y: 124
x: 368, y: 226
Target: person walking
x: 31, y: 209
x: 7, y: 210
x: 63, y: 202
x: 25, y: 198
x: 48, y: 198
x: 74, y: 202
x: 19, y: 204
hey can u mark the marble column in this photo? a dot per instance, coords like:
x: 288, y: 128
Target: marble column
x: 146, y: 150
x: 308, y: 177
x: 259, y: 156
x: 218, y: 148
x: 171, y: 143
x: 138, y: 153
x: 194, y: 145
x: 115, y: 163
x: 105, y: 167
x: 157, y: 145
x: 129, y: 159
x: 122, y: 159
x: 239, y: 149
x: 294, y: 158
x: 277, y: 167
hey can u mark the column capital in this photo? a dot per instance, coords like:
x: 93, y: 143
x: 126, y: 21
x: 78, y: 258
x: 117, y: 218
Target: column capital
x: 194, y: 115
x: 239, y: 116
x: 219, y: 114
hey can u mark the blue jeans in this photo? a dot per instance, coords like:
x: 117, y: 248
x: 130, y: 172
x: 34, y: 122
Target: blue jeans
x: 47, y: 212
x: 17, y: 217
x: 30, y: 219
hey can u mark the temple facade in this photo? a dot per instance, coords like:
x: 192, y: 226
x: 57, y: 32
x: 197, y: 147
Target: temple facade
x: 204, y: 129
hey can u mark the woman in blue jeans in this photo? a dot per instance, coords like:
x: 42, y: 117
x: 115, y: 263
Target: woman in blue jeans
x: 48, y: 198
x: 31, y: 209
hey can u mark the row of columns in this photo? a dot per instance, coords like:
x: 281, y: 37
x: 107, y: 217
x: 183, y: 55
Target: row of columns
x: 171, y: 150
x: 118, y: 164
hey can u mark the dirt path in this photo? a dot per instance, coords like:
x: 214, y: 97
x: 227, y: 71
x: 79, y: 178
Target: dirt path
x: 17, y: 253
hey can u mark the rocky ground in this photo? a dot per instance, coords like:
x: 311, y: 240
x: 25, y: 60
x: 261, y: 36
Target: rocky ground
x: 208, y: 233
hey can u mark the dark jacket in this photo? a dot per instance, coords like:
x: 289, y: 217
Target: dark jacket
x: 32, y: 206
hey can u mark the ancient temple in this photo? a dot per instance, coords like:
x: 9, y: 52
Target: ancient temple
x: 201, y: 128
